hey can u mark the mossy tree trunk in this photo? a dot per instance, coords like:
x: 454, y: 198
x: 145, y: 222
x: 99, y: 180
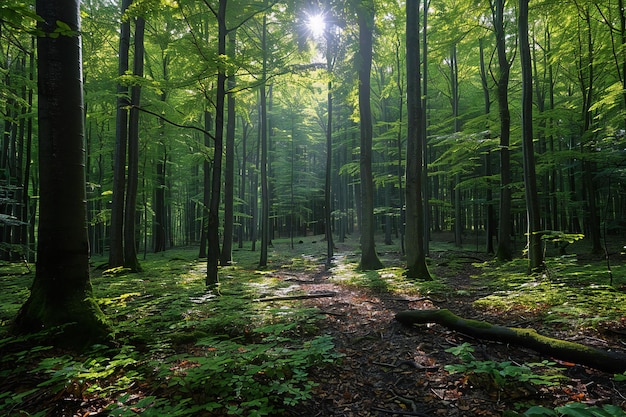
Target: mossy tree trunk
x: 61, y: 294
x: 607, y: 361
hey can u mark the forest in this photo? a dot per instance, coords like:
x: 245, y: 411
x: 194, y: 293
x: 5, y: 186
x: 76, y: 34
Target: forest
x: 313, y: 208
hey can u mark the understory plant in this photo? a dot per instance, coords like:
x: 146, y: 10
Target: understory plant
x: 502, y: 374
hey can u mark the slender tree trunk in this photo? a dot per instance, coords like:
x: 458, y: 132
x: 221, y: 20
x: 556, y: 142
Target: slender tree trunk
x: 244, y: 178
x: 229, y: 171
x: 61, y: 294
x: 159, y: 227
x: 424, y: 127
x: 116, y: 235
x: 415, y: 253
x: 213, y: 238
x: 329, y: 157
x: 206, y: 197
x: 26, y: 238
x: 535, y: 255
x: 369, y: 257
x: 454, y: 100
x: 265, y: 204
x: 505, y: 250
x: 400, y: 172
x: 130, y: 215
x: 490, y: 221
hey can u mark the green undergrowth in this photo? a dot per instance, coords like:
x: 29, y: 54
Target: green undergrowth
x: 180, y: 349
x: 572, y: 294
x: 503, y: 375
x: 389, y: 279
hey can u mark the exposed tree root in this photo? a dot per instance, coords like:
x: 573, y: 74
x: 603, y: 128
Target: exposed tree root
x: 608, y: 361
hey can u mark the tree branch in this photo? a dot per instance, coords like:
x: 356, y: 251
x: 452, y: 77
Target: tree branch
x: 199, y: 129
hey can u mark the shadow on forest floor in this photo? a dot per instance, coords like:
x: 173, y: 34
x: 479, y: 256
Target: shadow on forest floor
x: 296, y: 339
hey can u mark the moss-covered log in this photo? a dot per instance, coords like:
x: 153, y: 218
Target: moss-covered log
x: 608, y: 361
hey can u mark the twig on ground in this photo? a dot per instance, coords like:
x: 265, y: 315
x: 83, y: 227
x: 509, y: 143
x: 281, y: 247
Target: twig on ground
x: 295, y: 297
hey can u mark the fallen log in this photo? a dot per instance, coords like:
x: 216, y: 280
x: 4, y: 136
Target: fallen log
x: 607, y: 361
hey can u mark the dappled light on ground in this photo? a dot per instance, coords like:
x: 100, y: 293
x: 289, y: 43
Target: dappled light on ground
x: 298, y: 339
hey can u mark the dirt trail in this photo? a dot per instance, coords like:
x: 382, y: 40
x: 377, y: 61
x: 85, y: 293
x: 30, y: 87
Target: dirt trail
x: 392, y: 370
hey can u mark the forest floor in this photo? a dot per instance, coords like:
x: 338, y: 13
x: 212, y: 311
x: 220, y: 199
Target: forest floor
x: 393, y: 370
x: 302, y: 339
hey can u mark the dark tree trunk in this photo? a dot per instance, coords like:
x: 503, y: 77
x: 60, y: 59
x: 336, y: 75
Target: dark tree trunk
x: 490, y: 225
x: 329, y: 156
x: 213, y: 238
x: 229, y: 171
x: 414, y: 237
x: 369, y: 257
x: 535, y: 255
x: 160, y: 226
x: 505, y: 249
x: 61, y: 293
x: 265, y: 204
x: 116, y: 234
x: 206, y: 198
x: 424, y: 126
x: 130, y: 214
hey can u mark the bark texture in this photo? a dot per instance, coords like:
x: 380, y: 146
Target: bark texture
x: 61, y: 295
x: 607, y: 361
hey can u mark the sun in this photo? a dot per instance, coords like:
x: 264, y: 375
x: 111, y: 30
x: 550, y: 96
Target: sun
x: 316, y: 24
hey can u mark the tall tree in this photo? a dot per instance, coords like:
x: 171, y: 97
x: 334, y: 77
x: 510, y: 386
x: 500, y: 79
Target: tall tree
x: 414, y: 236
x: 535, y: 255
x: 229, y: 168
x: 61, y: 294
x: 213, y: 239
x: 365, y: 14
x: 505, y: 249
x: 263, y: 144
x: 330, y: 58
x: 132, y: 184
x: 116, y: 251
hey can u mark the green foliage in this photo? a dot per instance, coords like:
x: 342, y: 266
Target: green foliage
x: 182, y: 351
x: 571, y: 293
x: 501, y: 374
x: 576, y: 410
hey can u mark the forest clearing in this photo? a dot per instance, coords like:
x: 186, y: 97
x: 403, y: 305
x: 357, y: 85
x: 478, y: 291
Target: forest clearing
x: 296, y: 339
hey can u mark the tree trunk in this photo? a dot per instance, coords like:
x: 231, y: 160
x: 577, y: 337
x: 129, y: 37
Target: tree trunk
x: 369, y: 257
x: 213, y: 238
x: 535, y: 254
x: 505, y: 250
x: 61, y: 294
x: 159, y: 227
x: 130, y: 215
x: 206, y: 184
x: 607, y: 361
x: 414, y: 237
x: 265, y: 204
x: 116, y: 235
x: 229, y: 169
x: 490, y: 221
x: 329, y: 156
x: 424, y: 130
